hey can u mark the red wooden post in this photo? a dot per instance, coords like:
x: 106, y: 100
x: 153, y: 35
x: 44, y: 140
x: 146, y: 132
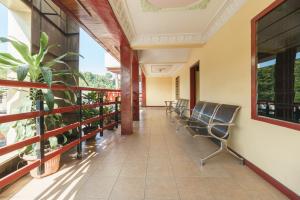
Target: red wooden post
x: 126, y: 87
x: 135, y: 88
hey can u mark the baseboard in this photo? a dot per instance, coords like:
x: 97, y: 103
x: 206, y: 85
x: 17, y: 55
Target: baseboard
x: 275, y: 183
x: 279, y: 186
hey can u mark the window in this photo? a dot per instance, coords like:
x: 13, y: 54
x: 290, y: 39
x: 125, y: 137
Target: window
x: 276, y: 67
x: 177, y: 87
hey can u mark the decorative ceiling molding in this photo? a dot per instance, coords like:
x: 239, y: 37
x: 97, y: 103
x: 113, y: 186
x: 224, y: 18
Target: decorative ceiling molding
x: 167, y: 40
x: 152, y: 70
x: 222, y: 16
x: 188, y: 40
x: 147, y: 6
x: 122, y: 13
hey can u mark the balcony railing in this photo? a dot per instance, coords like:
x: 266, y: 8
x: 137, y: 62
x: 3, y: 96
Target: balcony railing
x: 113, y: 99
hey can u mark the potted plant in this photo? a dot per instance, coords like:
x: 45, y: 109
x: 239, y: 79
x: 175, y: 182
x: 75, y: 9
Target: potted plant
x: 26, y: 129
x: 90, y: 98
x: 109, y: 119
x: 38, y: 70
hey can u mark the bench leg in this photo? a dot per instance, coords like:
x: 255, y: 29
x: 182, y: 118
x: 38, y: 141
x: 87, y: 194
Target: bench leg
x: 222, y: 148
x: 179, y: 126
x: 235, y: 155
x: 203, y: 160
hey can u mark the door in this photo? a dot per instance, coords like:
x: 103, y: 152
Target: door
x: 194, y: 85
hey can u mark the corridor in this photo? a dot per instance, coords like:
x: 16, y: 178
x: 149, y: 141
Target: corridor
x: 155, y: 163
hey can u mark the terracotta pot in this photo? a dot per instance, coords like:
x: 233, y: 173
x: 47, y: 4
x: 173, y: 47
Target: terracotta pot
x: 51, y: 166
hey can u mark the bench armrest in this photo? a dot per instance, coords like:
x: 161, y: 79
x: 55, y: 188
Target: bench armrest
x: 210, y: 126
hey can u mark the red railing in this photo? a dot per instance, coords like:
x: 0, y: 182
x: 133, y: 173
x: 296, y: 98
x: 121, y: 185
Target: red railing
x: 112, y: 99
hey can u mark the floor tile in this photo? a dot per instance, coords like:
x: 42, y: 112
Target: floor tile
x: 161, y: 188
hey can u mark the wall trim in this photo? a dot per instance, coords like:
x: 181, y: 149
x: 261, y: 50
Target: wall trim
x: 275, y: 183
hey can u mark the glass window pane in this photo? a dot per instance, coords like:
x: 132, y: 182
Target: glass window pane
x: 278, y: 63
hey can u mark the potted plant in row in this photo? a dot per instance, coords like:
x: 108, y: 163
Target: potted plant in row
x: 90, y: 98
x: 35, y: 68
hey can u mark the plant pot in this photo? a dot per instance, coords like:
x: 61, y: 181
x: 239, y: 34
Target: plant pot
x: 51, y: 166
x: 89, y: 129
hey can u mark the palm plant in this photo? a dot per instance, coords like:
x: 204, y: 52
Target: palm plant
x: 36, y: 68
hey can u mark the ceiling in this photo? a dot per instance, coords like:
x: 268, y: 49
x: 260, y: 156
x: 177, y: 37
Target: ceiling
x: 164, y: 31
x: 86, y: 12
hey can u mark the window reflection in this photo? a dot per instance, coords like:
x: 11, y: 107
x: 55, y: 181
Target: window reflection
x: 278, y: 68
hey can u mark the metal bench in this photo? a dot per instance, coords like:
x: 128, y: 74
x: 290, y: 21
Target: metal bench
x: 213, y: 120
x: 179, y: 108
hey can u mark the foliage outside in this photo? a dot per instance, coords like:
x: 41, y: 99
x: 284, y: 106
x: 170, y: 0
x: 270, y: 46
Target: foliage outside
x: 265, y: 82
x: 98, y: 81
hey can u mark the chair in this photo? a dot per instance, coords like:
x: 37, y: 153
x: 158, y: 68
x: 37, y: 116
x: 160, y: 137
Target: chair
x: 169, y: 105
x: 180, y: 107
x: 215, y: 122
x: 196, y: 112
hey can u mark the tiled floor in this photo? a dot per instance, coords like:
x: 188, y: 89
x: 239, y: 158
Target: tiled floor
x: 155, y: 163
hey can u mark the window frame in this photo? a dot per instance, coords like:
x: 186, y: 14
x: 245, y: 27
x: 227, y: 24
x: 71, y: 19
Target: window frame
x: 254, y: 113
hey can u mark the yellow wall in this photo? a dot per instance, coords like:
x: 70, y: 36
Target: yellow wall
x: 227, y: 79
x: 158, y: 90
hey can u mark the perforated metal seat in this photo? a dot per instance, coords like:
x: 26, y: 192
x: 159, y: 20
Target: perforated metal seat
x: 193, y: 119
x: 215, y: 121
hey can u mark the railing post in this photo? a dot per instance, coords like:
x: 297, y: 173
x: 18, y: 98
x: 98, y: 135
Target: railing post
x: 40, y: 130
x: 79, y: 103
x: 117, y: 112
x: 101, y: 114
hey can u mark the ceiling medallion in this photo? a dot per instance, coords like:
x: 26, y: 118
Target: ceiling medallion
x: 173, y: 5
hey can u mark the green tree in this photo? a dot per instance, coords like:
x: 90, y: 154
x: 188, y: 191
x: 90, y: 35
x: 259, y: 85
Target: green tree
x: 265, y: 83
x: 98, y: 81
x: 297, y: 81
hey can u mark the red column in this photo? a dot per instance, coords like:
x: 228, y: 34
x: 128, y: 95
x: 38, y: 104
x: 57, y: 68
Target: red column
x: 135, y: 88
x: 144, y: 103
x: 126, y: 87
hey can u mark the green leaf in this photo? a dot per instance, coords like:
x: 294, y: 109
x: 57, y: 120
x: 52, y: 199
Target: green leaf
x: 49, y: 98
x: 68, y: 94
x: 9, y: 57
x: 53, y: 143
x: 3, y: 61
x: 80, y: 75
x: 42, y: 53
x: 58, y: 60
x: 44, y: 40
x: 20, y: 47
x: 47, y: 75
x: 22, y: 72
